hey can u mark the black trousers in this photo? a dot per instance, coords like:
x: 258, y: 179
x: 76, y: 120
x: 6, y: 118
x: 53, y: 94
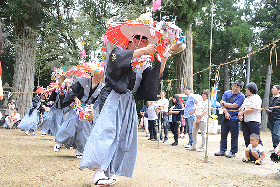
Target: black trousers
x: 248, y: 128
x: 152, y: 129
x: 174, y: 128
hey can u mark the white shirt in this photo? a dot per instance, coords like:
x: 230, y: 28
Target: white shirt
x: 278, y: 95
x: 254, y: 102
x: 201, y: 105
x: 165, y: 103
x: 152, y: 115
x: 259, y: 149
x: 17, y: 116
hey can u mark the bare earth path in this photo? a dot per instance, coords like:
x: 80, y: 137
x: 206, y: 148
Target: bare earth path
x: 31, y: 161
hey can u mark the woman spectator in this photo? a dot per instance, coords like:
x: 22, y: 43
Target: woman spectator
x: 250, y: 113
x: 201, y: 112
x: 176, y: 117
x: 10, y: 108
x: 12, y: 119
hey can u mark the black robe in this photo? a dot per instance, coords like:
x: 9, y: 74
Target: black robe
x: 121, y: 78
x: 77, y: 90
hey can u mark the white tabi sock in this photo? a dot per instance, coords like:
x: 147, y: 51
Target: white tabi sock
x: 112, y: 176
x: 99, y: 174
x: 77, y: 152
x: 59, y: 145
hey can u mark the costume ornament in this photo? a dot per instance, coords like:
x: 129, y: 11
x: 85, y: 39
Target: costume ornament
x: 80, y: 112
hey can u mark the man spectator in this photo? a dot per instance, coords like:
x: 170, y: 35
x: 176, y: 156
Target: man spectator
x: 230, y: 103
x: 144, y: 113
x: 189, y: 115
x: 12, y: 119
x: 163, y: 104
x: 274, y: 115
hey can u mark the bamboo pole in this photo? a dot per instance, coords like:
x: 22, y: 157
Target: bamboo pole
x: 209, y: 81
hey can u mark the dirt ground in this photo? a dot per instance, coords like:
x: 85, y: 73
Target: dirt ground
x: 31, y: 161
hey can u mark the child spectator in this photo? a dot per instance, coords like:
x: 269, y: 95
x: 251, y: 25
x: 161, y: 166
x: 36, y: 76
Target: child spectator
x: 254, y: 151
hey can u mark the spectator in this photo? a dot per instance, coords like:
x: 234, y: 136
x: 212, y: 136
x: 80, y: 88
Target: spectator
x: 275, y: 156
x: 249, y: 115
x: 189, y: 114
x: 254, y: 151
x: 183, y: 124
x: 201, y: 112
x: 152, y: 117
x: 1, y: 115
x: 12, y: 119
x: 163, y: 103
x: 10, y: 108
x: 144, y: 113
x: 230, y: 103
x: 274, y: 115
x: 175, y: 111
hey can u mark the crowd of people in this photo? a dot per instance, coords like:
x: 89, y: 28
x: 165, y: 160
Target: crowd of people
x: 238, y: 109
x: 97, y: 116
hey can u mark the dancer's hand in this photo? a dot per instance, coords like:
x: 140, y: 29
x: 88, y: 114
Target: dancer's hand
x: 77, y: 101
x: 149, y: 48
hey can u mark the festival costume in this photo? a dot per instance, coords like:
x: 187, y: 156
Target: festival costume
x: 54, y: 119
x: 74, y: 132
x: 30, y: 121
x: 112, y: 144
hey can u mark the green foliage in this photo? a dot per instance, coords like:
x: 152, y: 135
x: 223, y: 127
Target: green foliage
x: 62, y: 24
x: 24, y: 13
x: 183, y: 11
x: 230, y: 31
x: 267, y: 20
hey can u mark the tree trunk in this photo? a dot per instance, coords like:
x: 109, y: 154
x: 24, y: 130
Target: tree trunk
x: 184, y: 64
x: 1, y: 39
x: 226, y: 72
x: 23, y: 80
x: 265, y: 101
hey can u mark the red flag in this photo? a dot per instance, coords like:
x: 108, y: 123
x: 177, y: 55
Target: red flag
x: 157, y: 4
x: 1, y: 88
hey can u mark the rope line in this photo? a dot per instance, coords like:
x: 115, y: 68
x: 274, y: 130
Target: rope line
x: 222, y: 109
x: 219, y: 65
